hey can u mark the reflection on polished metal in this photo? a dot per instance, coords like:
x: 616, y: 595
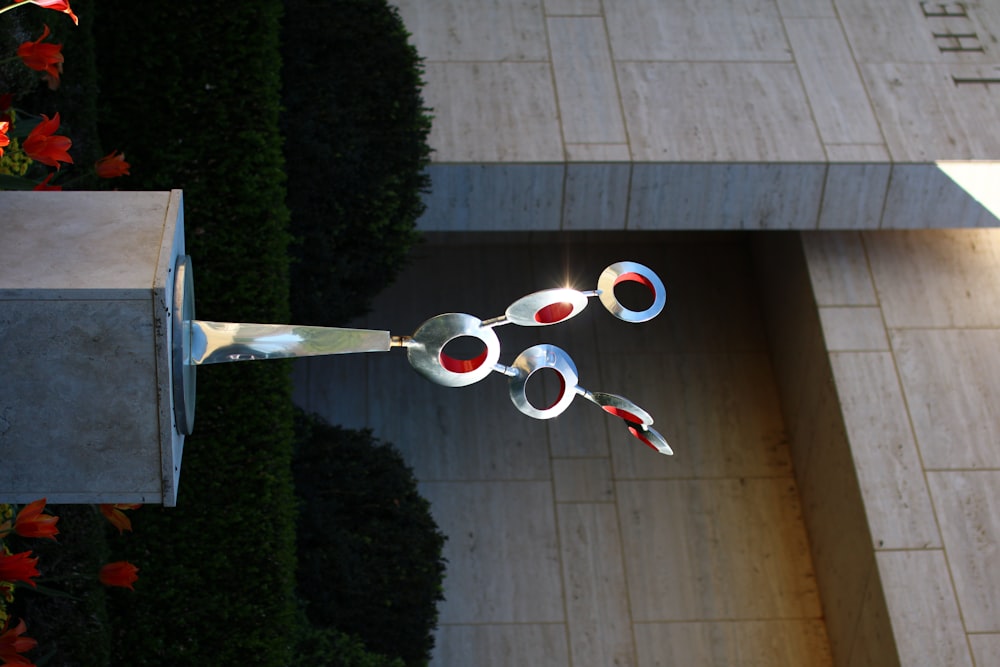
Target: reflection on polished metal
x: 199, y: 342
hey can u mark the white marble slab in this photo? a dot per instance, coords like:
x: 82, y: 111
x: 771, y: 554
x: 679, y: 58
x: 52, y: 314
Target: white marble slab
x: 492, y: 112
x: 494, y: 529
x: 691, y: 30
x: 854, y: 196
x: 853, y: 328
x: 597, y: 610
x: 885, y: 454
x: 925, y: 617
x: 765, y: 643
x: 838, y: 269
x: 985, y: 648
x: 968, y: 506
x: 597, y: 153
x: 572, y: 7
x: 833, y: 86
x: 457, y: 30
x: 717, y: 112
x: 496, y: 645
x: 950, y: 380
x: 589, y: 107
x: 807, y: 9
x: 757, y: 565
x: 725, y: 196
x: 937, y: 278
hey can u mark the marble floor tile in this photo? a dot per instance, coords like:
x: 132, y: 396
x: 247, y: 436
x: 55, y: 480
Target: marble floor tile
x: 949, y: 378
x: 731, y: 549
x: 968, y: 505
x: 775, y: 121
x: 885, y: 454
x: 696, y: 30
x: 770, y: 643
x: 597, y: 609
x: 502, y: 552
x: 476, y: 29
x: 501, y: 645
x: 719, y: 412
x: 937, y: 278
x: 925, y: 618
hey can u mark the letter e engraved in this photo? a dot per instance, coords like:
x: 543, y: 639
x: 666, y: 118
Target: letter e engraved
x: 953, y: 42
x: 944, y: 9
x: 985, y: 81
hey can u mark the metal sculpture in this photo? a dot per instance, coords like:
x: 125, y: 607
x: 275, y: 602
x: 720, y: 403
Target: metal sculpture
x: 200, y: 342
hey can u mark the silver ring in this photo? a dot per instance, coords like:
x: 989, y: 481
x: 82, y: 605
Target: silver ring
x: 631, y: 272
x: 534, y: 359
x: 426, y: 350
x: 546, y: 307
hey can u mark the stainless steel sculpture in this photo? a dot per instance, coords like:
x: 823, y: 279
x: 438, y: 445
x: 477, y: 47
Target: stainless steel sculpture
x: 199, y: 342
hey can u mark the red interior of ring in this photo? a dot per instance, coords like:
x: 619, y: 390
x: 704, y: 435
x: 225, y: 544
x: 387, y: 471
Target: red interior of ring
x: 624, y: 414
x: 554, y: 312
x: 462, y: 365
x: 637, y: 433
x: 632, y: 277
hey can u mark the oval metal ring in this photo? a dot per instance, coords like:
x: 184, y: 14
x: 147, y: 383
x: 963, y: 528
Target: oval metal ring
x: 651, y: 438
x: 426, y: 350
x: 621, y: 272
x: 549, y: 306
x: 534, y: 359
x: 619, y: 406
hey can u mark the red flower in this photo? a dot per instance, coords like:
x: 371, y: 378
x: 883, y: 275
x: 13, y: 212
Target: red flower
x: 4, y: 139
x: 12, y: 644
x: 43, y: 185
x: 43, y: 145
x: 120, y: 573
x: 31, y: 522
x: 18, y: 567
x: 47, y: 58
x: 112, y: 166
x: 58, y: 5
x: 114, y: 514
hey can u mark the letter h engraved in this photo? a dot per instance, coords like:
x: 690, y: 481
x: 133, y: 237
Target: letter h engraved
x: 953, y: 42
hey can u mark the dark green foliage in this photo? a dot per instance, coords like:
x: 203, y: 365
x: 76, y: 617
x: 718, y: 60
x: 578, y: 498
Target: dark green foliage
x: 191, y: 92
x: 355, y: 145
x: 370, y: 558
x: 328, y: 647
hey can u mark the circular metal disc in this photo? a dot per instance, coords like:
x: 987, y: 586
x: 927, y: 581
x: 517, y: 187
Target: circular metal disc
x: 426, y: 351
x: 631, y: 272
x: 534, y: 359
x: 546, y: 307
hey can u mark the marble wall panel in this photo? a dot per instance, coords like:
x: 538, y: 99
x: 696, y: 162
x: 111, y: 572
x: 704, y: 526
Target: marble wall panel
x: 493, y: 112
x: 763, y: 643
x: 833, y: 86
x: 888, y: 465
x: 925, y: 617
x: 854, y: 195
x: 716, y: 549
x: 585, y: 81
x: 494, y: 197
x: 596, y: 196
x: 853, y: 328
x: 597, y: 153
x: 501, y: 645
x: 583, y: 480
x: 874, y: 643
x: 838, y: 269
x: 807, y: 9
x: 968, y: 505
x: 677, y: 112
x: 923, y: 196
x: 572, y: 7
x: 467, y: 30
x: 494, y: 529
x: 884, y: 31
x: 949, y: 377
x: 937, y: 278
x: 985, y: 648
x: 689, y: 30
x: 725, y: 196
x: 597, y: 611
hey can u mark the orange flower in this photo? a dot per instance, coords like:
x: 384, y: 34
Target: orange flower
x: 31, y: 522
x: 114, y: 514
x: 112, y: 166
x: 47, y: 58
x: 4, y: 139
x: 12, y: 644
x: 43, y: 185
x: 58, y: 5
x: 120, y: 573
x: 43, y: 145
x: 18, y: 567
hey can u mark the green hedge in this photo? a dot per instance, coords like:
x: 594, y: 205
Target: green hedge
x: 356, y: 130
x: 190, y: 92
x: 370, y: 561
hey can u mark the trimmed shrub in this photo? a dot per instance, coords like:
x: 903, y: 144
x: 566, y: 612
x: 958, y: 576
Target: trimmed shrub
x: 369, y: 551
x: 355, y: 146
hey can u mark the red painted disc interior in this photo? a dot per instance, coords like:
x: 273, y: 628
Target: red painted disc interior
x: 462, y: 365
x: 624, y: 414
x: 637, y: 433
x: 554, y: 312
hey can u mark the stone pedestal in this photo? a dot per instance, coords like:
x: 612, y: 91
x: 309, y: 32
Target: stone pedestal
x: 86, y: 300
